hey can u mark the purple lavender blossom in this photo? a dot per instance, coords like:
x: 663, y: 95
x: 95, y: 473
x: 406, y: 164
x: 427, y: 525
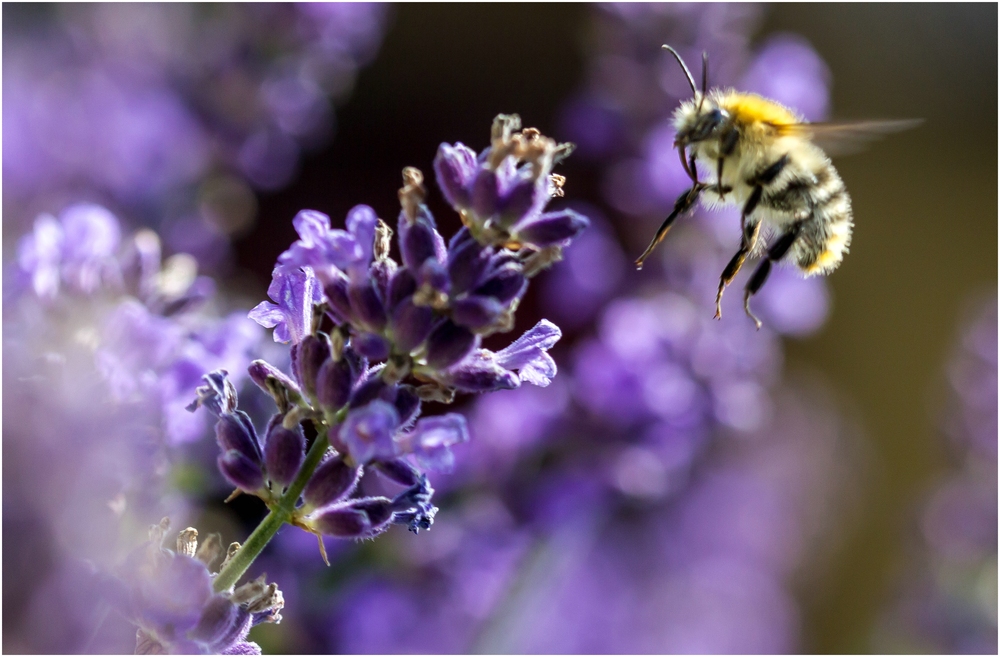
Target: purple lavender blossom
x: 99, y: 366
x: 143, y: 105
x: 372, y: 339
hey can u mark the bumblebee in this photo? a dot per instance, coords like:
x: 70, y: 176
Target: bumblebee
x: 765, y: 159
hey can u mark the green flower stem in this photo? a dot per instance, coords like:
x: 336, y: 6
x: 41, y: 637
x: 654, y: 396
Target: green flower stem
x: 280, y: 513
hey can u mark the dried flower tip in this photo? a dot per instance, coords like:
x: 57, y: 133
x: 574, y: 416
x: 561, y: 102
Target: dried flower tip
x: 412, y: 193
x: 383, y: 240
x: 230, y: 553
x: 558, y: 182
x: 541, y: 260
x: 157, y: 532
x: 396, y: 369
x: 338, y: 340
x: 209, y: 550
x: 147, y: 645
x: 504, y: 125
x: 435, y: 393
x: 187, y: 542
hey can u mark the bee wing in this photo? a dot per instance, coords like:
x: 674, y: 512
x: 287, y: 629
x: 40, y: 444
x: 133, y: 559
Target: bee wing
x: 844, y: 138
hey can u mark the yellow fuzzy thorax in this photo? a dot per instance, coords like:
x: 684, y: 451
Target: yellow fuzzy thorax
x: 750, y: 109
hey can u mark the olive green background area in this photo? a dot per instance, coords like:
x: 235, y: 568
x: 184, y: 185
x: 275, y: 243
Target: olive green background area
x: 925, y: 211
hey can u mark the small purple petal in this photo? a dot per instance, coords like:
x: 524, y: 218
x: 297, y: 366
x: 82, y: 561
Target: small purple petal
x: 367, y: 432
x: 295, y: 292
x: 431, y: 440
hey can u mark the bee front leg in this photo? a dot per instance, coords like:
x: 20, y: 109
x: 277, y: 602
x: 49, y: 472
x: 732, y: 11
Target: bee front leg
x: 682, y: 205
x: 774, y: 254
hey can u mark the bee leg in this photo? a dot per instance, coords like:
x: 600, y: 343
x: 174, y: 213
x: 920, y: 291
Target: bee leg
x: 774, y: 254
x: 682, y: 205
x: 747, y: 244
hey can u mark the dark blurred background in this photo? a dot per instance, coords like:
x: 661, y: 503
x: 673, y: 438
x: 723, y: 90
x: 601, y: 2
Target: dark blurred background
x: 925, y: 210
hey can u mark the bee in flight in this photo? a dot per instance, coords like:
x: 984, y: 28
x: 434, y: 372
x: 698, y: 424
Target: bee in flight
x: 766, y: 160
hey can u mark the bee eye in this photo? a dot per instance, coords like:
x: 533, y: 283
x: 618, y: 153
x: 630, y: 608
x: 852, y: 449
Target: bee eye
x: 706, y: 125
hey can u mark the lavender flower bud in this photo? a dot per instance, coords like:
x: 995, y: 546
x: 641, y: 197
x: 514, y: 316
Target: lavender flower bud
x: 407, y: 404
x: 418, y: 240
x: 284, y: 451
x: 366, y: 305
x: 410, y: 325
x: 371, y: 345
x: 551, y: 228
x: 467, y: 263
x: 307, y: 358
x: 526, y: 198
x: 476, y: 312
x: 485, y: 194
x: 234, y: 431
x: 359, y: 518
x: 333, y: 384
x: 399, y: 471
x: 449, y: 344
x: 335, y: 288
x: 401, y: 286
x: 270, y: 379
x: 221, y: 624
x: 332, y: 481
x: 505, y: 283
x: 455, y: 167
x: 480, y: 373
x: 241, y: 471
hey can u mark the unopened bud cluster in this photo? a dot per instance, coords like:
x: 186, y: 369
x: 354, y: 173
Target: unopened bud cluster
x: 372, y: 338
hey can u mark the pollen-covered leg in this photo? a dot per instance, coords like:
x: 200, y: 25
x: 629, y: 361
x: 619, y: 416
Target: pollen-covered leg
x: 774, y: 254
x: 682, y: 205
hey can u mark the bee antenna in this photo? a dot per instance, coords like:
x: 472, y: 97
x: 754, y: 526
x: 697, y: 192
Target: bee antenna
x: 687, y: 72
x: 704, y: 78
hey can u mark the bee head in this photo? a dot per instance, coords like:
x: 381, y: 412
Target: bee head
x: 697, y: 120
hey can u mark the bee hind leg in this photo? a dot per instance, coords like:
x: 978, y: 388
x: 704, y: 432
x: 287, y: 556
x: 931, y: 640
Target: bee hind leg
x: 750, y: 234
x: 748, y: 240
x: 775, y: 253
